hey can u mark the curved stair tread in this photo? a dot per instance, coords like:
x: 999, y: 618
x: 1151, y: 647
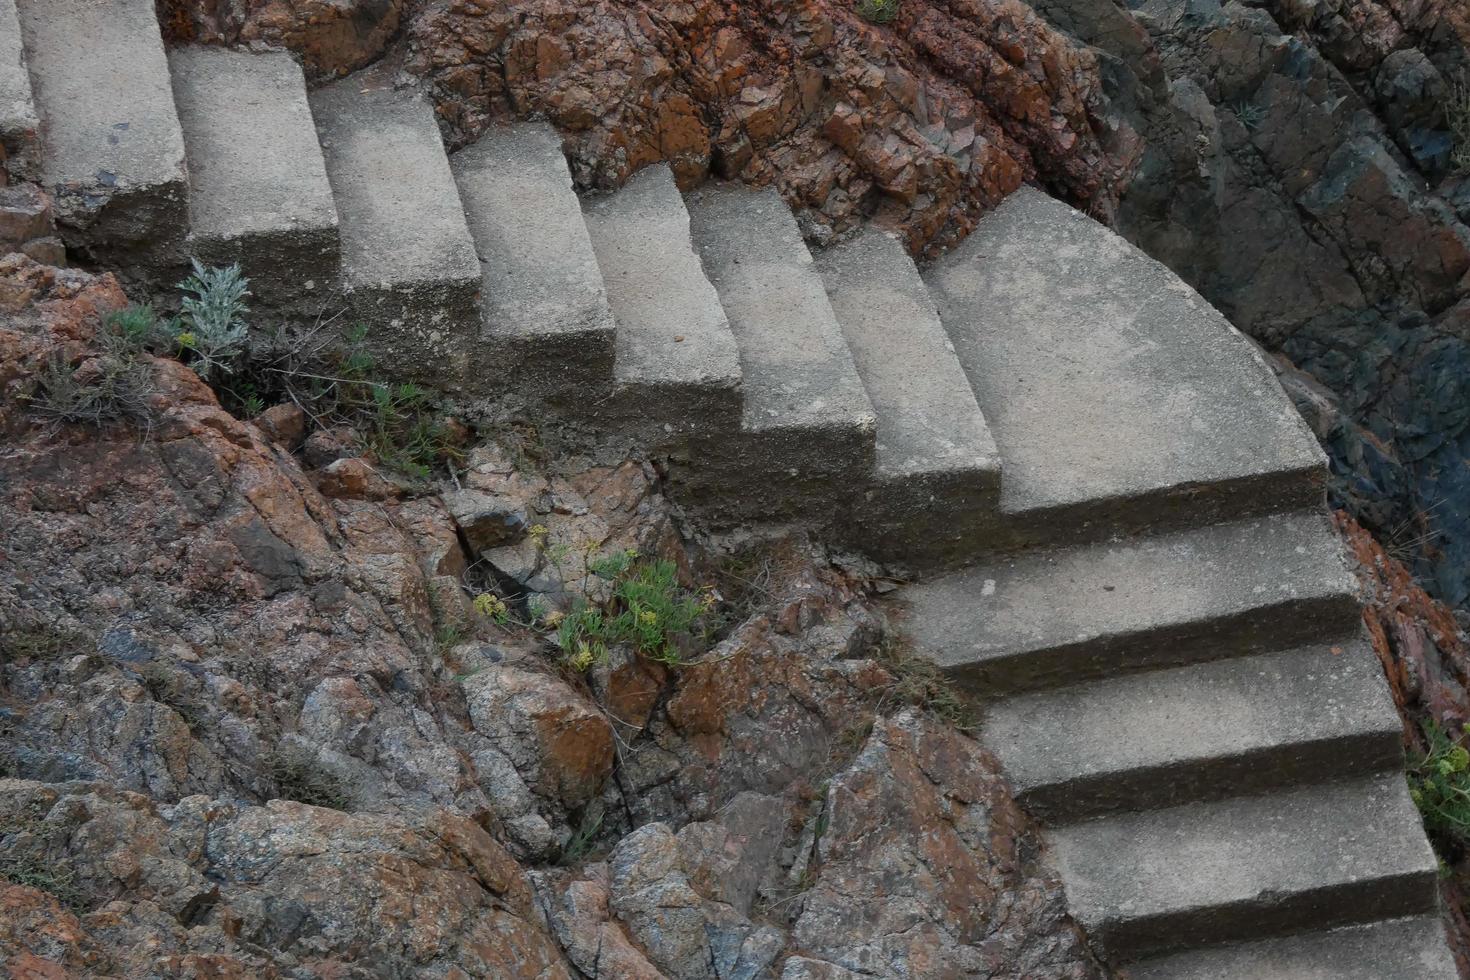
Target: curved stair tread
x: 927, y: 418
x: 796, y: 368
x: 675, y: 349
x: 1312, y: 857
x: 1396, y: 949
x: 1046, y: 618
x: 402, y: 223
x: 101, y: 84
x: 540, y: 275
x: 258, y: 190
x: 1104, y: 377
x: 1174, y: 736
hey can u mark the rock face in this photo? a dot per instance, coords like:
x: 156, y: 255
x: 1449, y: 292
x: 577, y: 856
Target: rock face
x: 248, y: 728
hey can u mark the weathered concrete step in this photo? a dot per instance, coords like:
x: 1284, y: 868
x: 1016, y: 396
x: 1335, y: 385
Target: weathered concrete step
x: 1310, y: 858
x: 677, y: 362
x: 1119, y: 398
x: 1048, y: 618
x: 807, y: 427
x: 408, y: 262
x: 547, y: 332
x: 1169, y: 737
x: 258, y: 191
x: 112, y: 149
x: 1398, y: 949
x: 20, y: 138
x: 937, y: 477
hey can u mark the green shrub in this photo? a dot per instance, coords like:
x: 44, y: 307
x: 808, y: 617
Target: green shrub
x: 642, y: 606
x: 1439, y: 783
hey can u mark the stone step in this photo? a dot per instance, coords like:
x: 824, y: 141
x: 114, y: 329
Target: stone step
x: 1043, y: 619
x: 1398, y: 949
x: 547, y: 332
x: 1119, y: 398
x: 807, y: 429
x: 937, y: 477
x: 1169, y: 737
x: 408, y: 262
x: 1243, y: 868
x: 258, y: 191
x: 677, y: 362
x: 112, y: 149
x: 20, y: 137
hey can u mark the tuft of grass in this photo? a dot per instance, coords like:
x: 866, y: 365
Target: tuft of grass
x: 918, y: 682
x: 301, y: 778
x: 643, y: 606
x: 114, y: 388
x: 1457, y: 117
x: 878, y: 11
x: 38, y: 644
x: 1439, y: 784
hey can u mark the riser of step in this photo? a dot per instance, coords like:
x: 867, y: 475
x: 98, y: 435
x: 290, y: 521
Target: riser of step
x: 1052, y: 618
x: 1170, y: 737
x: 547, y: 331
x: 408, y: 262
x: 1398, y: 949
x: 20, y: 140
x: 1119, y: 398
x: 806, y: 443
x: 677, y: 368
x: 258, y: 186
x: 936, y: 482
x: 1312, y: 858
x: 113, y: 152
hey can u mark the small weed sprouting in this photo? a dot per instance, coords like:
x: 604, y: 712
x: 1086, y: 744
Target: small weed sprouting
x: 492, y: 607
x: 642, y: 606
x: 301, y: 778
x: 212, y: 326
x: 878, y: 11
x: 1439, y: 784
x: 1250, y: 115
x: 399, y: 427
x: 580, y: 843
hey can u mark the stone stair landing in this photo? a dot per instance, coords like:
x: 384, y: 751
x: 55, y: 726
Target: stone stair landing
x: 1120, y: 400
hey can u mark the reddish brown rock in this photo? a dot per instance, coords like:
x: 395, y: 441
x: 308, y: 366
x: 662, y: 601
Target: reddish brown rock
x: 559, y: 742
x: 333, y: 37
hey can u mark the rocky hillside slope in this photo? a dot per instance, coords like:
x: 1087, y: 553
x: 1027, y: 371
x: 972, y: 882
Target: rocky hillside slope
x: 255, y: 726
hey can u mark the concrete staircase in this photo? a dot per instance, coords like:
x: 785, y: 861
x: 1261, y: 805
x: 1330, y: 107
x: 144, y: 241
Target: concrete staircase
x: 1118, y: 511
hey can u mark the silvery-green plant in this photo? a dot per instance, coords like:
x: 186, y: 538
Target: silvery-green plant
x: 212, y: 324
